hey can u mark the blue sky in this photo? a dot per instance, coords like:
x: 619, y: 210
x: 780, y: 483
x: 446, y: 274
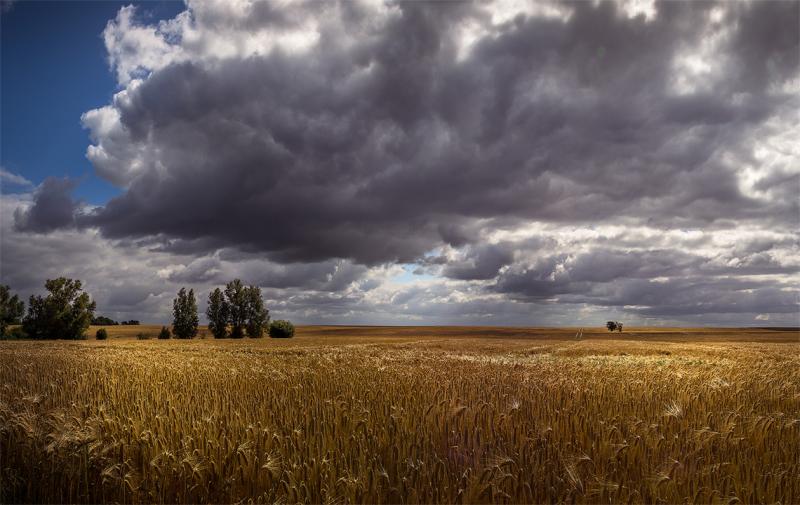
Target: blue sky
x: 54, y: 68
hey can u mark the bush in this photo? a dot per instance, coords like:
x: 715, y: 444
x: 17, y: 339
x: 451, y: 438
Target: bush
x: 101, y: 334
x: 15, y: 333
x: 164, y: 334
x: 281, y: 328
x: 142, y: 336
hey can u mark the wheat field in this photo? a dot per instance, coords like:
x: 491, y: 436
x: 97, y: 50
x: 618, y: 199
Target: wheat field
x: 382, y: 415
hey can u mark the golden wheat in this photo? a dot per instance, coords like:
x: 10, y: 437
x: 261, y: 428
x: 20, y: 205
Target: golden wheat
x: 399, y: 420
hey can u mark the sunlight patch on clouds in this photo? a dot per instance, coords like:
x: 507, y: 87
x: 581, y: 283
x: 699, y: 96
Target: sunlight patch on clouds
x: 698, y: 67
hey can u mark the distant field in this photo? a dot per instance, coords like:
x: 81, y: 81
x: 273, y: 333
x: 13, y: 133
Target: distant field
x: 411, y: 415
x: 413, y: 332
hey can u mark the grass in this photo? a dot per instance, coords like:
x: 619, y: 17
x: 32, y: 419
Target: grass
x: 412, y: 415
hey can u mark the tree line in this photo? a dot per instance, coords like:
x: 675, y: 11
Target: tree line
x: 66, y: 312
x: 107, y: 321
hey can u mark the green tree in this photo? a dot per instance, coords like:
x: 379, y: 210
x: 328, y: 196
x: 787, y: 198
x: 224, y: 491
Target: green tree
x: 217, y: 313
x: 184, y: 311
x: 281, y: 329
x: 66, y: 312
x: 164, y: 334
x: 257, y: 314
x: 11, y: 309
x: 236, y: 297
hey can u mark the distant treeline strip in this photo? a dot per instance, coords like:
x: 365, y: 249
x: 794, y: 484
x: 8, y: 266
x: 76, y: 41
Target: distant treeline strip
x: 107, y: 321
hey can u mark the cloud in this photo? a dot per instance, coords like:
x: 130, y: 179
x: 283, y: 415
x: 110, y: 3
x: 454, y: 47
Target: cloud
x: 527, y: 161
x: 726, y: 277
x: 372, y: 139
x: 134, y: 49
x: 732, y: 273
x: 14, y: 179
x: 53, y: 207
x: 480, y: 262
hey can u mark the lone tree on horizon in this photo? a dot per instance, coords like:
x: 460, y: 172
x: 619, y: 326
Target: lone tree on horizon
x: 184, y: 310
x: 66, y: 312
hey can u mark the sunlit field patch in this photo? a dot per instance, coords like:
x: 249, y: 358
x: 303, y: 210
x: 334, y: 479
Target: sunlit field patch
x: 388, y: 419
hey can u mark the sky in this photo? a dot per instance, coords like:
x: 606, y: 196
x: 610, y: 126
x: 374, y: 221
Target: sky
x: 500, y: 163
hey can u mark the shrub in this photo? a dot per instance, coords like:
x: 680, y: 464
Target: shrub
x: 15, y: 333
x: 281, y: 328
x: 164, y: 334
x: 101, y: 334
x: 142, y: 336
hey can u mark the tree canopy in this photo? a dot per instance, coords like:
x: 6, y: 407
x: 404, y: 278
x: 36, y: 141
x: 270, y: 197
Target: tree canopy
x: 257, y: 314
x: 184, y: 311
x: 217, y: 313
x: 240, y: 307
x: 65, y: 313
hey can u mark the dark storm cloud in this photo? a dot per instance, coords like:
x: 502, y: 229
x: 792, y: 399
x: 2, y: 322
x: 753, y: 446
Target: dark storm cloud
x: 484, y: 263
x: 200, y: 270
x: 330, y: 276
x: 657, y: 282
x: 129, y: 295
x: 53, y: 207
x: 767, y: 43
x: 693, y: 296
x: 382, y: 149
